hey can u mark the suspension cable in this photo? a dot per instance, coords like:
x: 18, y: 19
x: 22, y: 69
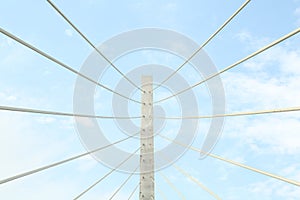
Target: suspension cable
x: 172, y: 185
x: 61, y: 162
x: 46, y: 112
x: 133, y: 191
x: 114, y: 194
x: 281, y: 110
x: 161, y: 193
x: 186, y: 174
x: 91, y: 44
x: 235, y: 64
x: 101, y: 179
x: 61, y: 64
x: 204, y: 44
x: 236, y: 163
x: 201, y: 185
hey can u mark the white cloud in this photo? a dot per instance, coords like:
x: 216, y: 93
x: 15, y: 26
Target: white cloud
x: 46, y: 120
x: 27, y: 145
x: 259, y: 91
x: 7, y: 98
x: 283, y: 57
x: 165, y: 12
x: 271, y: 188
x: 87, y: 122
x: 251, y: 41
x: 11, y: 51
x: 69, y: 32
x: 268, y: 81
x: 171, y: 6
x: 87, y: 163
x: 5, y: 42
x: 268, y: 188
x: 274, y: 135
x: 243, y: 36
x: 297, y: 14
x: 23, y: 147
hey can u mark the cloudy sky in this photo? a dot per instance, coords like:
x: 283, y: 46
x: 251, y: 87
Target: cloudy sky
x: 269, y: 81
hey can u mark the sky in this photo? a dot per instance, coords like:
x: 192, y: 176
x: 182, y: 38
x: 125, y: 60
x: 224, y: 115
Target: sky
x: 269, y: 81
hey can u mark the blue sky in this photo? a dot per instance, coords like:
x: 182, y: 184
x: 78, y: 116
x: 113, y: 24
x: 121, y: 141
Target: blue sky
x: 269, y: 81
